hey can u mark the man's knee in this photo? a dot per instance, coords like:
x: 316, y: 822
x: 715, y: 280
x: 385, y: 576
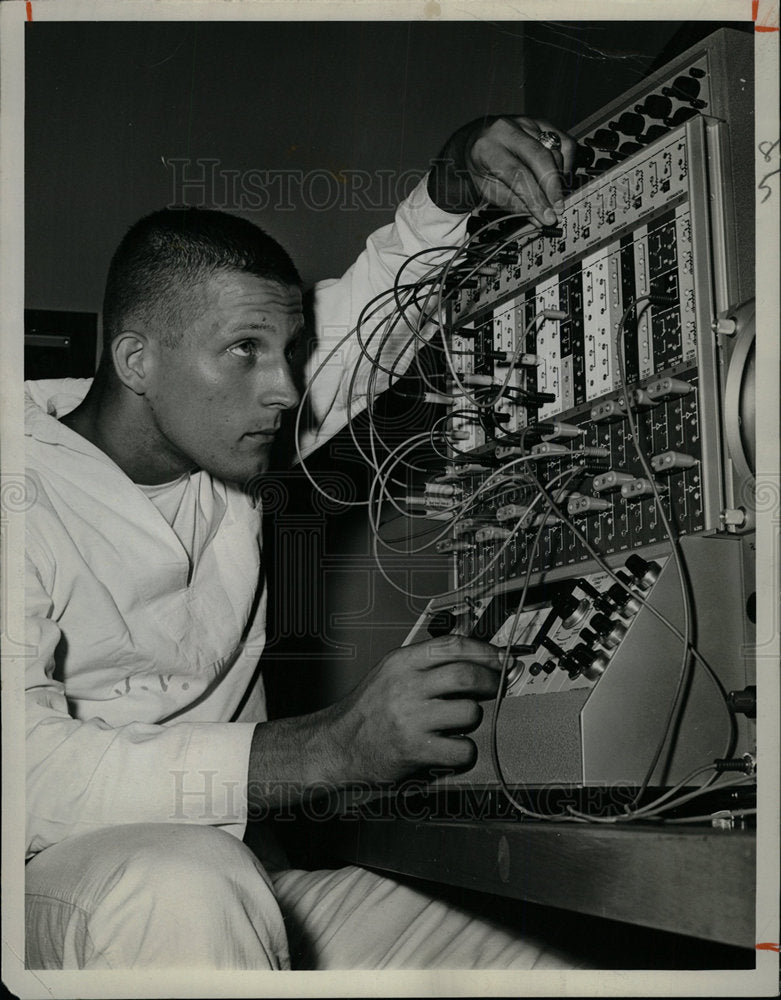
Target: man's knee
x: 163, y: 894
x: 192, y: 862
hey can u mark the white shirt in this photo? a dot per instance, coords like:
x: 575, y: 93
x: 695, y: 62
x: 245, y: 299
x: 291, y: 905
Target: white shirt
x: 146, y: 619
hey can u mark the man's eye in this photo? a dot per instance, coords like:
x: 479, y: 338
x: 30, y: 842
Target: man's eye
x: 292, y: 347
x: 246, y: 349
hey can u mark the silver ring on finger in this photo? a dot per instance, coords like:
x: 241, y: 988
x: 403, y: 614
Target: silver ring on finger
x: 549, y: 140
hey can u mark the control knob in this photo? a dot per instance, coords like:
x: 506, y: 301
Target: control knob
x: 646, y: 573
x: 610, y: 632
x: 571, y: 610
x: 625, y: 603
x: 655, y: 106
x: 587, y: 662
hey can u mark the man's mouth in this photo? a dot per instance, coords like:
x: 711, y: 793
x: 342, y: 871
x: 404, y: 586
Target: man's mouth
x: 263, y: 435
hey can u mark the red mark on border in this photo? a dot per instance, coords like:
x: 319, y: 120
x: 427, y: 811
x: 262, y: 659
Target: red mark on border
x: 767, y: 946
x: 29, y: 8
x: 755, y: 14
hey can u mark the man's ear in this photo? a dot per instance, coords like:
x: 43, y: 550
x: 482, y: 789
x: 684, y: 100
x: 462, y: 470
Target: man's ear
x: 131, y: 352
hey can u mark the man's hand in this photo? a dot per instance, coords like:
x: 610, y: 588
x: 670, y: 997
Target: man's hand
x: 499, y: 161
x: 511, y: 169
x: 410, y: 712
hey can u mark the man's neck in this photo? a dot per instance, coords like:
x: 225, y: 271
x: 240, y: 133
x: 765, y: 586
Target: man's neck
x: 116, y: 421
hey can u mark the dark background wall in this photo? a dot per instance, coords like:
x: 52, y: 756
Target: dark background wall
x: 110, y: 105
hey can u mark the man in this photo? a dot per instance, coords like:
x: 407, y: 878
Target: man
x: 147, y: 739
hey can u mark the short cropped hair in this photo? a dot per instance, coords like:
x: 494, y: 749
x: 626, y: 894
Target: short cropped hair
x: 169, y: 252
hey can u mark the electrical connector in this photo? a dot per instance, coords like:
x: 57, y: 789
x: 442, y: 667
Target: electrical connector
x: 669, y: 461
x: 492, y: 534
x: 512, y: 512
x: 549, y: 448
x: 611, y: 481
x: 442, y: 489
x: 667, y: 388
x: 560, y: 429
x: 746, y: 764
x: 446, y: 546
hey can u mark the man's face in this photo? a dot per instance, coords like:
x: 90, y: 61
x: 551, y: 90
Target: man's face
x: 216, y: 398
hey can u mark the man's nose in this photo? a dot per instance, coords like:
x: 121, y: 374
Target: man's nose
x: 280, y: 390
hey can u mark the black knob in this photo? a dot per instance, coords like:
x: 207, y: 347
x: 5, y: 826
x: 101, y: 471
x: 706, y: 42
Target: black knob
x: 571, y: 610
x: 584, y: 156
x: 605, y: 602
x: 601, y: 623
x: 565, y: 606
x: 549, y: 666
x: 625, y: 603
x: 586, y: 661
x: 646, y: 573
x: 582, y: 655
x: 629, y: 123
x: 603, y: 139
x: 590, y: 663
x: 611, y: 632
x: 697, y: 73
x: 628, y: 148
x: 685, y: 87
x: 535, y: 668
x: 680, y: 116
x: 569, y: 664
x: 588, y: 636
x: 656, y: 106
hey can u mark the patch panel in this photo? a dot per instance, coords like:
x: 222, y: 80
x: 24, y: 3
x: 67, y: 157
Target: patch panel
x: 629, y: 399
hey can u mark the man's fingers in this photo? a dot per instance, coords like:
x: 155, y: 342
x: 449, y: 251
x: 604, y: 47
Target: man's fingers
x: 568, y: 145
x: 513, y: 170
x: 458, y: 752
x: 450, y: 649
x: 511, y: 157
x: 457, y: 715
x: 533, y: 127
x: 510, y: 166
x: 459, y: 679
x: 544, y: 165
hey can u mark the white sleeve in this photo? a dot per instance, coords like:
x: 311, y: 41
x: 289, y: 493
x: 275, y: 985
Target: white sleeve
x: 418, y: 224
x: 86, y: 774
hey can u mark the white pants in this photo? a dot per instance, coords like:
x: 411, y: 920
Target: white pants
x: 165, y: 895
